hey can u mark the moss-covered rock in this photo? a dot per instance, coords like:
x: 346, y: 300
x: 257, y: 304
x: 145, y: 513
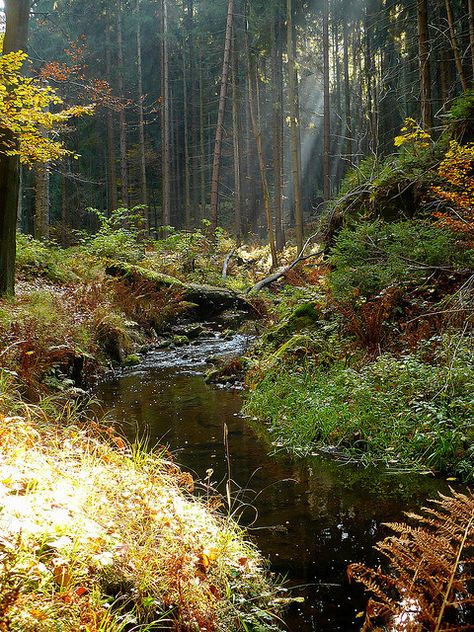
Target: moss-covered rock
x: 132, y: 360
x: 303, y: 318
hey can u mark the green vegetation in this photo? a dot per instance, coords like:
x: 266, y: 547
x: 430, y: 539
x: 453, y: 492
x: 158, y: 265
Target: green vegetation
x: 382, y: 372
x: 395, y: 411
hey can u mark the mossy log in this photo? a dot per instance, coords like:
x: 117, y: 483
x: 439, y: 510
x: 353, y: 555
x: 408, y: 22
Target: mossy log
x: 209, y: 300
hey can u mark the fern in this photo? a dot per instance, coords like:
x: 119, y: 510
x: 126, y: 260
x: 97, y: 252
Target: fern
x: 430, y: 584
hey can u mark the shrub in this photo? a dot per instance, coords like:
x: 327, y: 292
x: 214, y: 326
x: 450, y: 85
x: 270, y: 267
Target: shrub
x: 37, y: 259
x: 118, y: 236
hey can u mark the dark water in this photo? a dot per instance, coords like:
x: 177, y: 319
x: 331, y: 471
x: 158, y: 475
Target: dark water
x: 310, y: 517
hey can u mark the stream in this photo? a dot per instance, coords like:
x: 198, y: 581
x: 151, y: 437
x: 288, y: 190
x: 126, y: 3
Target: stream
x: 311, y: 517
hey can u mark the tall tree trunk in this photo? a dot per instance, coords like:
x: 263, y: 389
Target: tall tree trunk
x: 202, y: 140
x: 112, y: 199
x: 187, y: 179
x: 193, y: 115
x: 166, y: 176
x: 424, y: 60
x: 294, y: 124
x: 347, y: 92
x: 122, y: 116
x: 216, y: 166
x: 236, y: 131
x: 42, y: 201
x: 369, y: 68
x: 454, y: 45
x: 141, y: 118
x: 471, y: 32
x: 277, y: 103
x: 253, y: 77
x: 16, y: 38
x: 327, y: 111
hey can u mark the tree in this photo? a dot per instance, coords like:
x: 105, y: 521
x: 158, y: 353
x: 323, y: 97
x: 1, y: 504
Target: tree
x: 294, y: 123
x: 424, y: 56
x: 216, y: 166
x: 16, y: 39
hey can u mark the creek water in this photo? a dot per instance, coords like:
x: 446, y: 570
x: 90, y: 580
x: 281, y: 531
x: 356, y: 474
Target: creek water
x: 311, y: 517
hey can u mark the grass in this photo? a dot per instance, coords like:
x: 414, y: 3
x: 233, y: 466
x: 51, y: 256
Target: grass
x: 96, y: 534
x: 398, y: 411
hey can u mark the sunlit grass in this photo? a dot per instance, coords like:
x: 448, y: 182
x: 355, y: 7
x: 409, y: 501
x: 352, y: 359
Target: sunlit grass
x: 94, y: 531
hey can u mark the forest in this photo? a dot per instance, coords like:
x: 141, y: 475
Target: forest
x: 236, y: 315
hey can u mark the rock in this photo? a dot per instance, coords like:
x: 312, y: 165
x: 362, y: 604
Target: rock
x: 132, y: 360
x: 179, y: 341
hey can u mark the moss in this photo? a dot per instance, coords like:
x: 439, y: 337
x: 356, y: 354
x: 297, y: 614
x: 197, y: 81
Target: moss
x: 304, y: 317
x: 132, y: 360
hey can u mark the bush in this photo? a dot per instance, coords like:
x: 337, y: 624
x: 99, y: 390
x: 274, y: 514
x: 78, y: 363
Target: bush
x: 37, y: 259
x: 118, y: 237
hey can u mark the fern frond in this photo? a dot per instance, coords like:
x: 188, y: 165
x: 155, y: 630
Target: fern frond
x: 429, y: 585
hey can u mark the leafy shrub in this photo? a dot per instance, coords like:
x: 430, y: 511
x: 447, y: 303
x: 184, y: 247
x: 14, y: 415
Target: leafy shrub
x: 118, y: 237
x: 35, y: 258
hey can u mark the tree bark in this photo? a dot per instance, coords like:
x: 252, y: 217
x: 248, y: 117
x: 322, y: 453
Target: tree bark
x: 220, y: 119
x: 141, y: 118
x: 253, y: 76
x: 112, y: 198
x: 122, y: 117
x: 471, y: 32
x: 347, y: 92
x: 327, y: 112
x: 294, y: 123
x: 166, y: 176
x: 277, y: 103
x: 41, y: 201
x: 187, y: 179
x: 202, y: 141
x: 454, y: 45
x: 16, y: 38
x: 424, y: 61
x: 236, y: 131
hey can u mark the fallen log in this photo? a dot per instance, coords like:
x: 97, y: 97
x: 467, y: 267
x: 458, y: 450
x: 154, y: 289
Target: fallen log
x: 282, y: 271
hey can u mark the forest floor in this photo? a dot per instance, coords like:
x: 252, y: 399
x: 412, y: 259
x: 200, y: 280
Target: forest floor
x: 364, y: 353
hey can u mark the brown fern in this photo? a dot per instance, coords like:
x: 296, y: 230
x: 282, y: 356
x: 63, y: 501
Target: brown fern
x: 430, y: 582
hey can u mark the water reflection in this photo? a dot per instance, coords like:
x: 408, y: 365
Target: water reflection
x: 310, y: 517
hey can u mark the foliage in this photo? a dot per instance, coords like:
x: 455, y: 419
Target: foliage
x: 430, y: 582
x: 456, y: 172
x: 35, y: 259
x: 26, y: 112
x: 96, y: 533
x: 412, y: 134
x: 398, y: 411
x: 369, y: 256
x: 118, y: 237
